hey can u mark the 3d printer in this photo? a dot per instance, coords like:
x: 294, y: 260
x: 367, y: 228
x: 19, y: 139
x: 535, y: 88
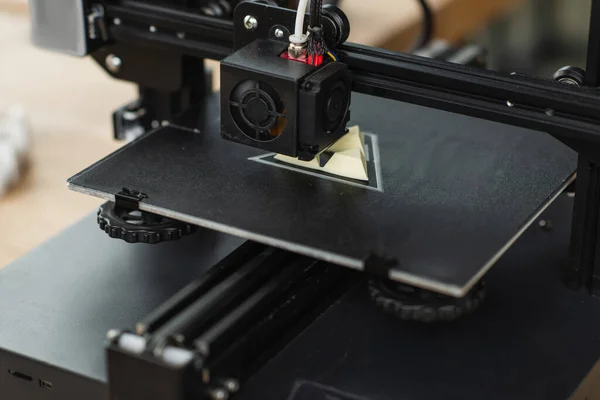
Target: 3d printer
x: 286, y: 84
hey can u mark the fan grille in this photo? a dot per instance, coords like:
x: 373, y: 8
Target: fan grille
x: 257, y: 110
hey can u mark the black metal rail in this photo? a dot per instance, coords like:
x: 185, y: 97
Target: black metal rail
x: 173, y: 29
x: 224, y: 326
x: 584, y: 260
x: 565, y: 111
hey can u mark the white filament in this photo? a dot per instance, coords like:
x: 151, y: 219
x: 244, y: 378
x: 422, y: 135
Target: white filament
x: 299, y: 36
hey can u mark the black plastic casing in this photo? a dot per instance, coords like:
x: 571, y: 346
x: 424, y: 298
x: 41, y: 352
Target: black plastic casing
x: 318, y: 130
x: 303, y: 89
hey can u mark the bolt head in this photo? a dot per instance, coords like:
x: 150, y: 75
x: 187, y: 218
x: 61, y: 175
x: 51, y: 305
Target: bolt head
x: 279, y: 33
x: 545, y: 225
x: 113, y: 63
x: 152, y: 28
x: 219, y: 394
x: 250, y: 23
x: 231, y: 385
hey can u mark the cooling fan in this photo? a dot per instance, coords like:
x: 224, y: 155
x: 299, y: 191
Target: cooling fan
x: 257, y: 110
x: 281, y: 105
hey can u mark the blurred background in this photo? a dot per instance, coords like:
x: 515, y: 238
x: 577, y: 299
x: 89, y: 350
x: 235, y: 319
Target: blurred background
x: 69, y: 101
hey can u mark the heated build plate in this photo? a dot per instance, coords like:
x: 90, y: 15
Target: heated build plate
x: 447, y: 194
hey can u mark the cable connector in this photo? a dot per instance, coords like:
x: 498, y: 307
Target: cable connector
x: 316, y: 47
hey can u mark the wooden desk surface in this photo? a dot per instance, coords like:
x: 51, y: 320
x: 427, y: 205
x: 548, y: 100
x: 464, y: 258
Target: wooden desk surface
x: 70, y: 102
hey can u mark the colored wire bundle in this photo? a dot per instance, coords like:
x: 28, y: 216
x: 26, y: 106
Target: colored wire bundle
x: 316, y: 47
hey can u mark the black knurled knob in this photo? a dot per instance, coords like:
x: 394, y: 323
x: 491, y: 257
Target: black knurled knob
x: 413, y: 304
x: 134, y: 226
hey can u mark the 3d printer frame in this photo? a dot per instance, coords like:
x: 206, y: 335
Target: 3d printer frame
x: 222, y: 326
x: 566, y: 108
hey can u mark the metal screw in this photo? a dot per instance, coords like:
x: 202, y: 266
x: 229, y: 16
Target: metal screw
x: 219, y: 394
x: 545, y: 224
x: 279, y: 33
x: 158, y: 350
x: 113, y: 63
x: 510, y: 103
x: 181, y: 35
x: 210, y: 10
x: 203, y: 348
x: 140, y: 329
x: 117, y: 21
x: 155, y: 124
x: 152, y: 28
x: 231, y: 385
x: 549, y: 112
x: 250, y: 22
